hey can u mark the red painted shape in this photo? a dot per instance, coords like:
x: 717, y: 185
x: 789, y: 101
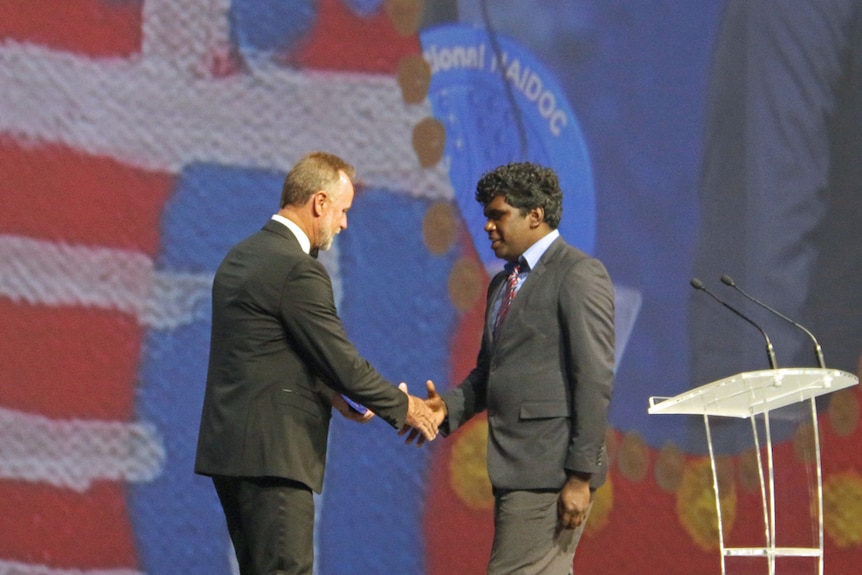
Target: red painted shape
x: 56, y: 194
x: 62, y: 529
x: 96, y: 28
x: 341, y: 40
x: 68, y: 362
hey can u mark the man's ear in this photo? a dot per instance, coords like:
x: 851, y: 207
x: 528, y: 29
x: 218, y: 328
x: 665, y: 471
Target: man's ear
x: 537, y: 216
x: 318, y: 202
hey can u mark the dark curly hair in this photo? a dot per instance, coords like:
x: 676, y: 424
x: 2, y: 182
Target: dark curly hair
x: 525, y: 186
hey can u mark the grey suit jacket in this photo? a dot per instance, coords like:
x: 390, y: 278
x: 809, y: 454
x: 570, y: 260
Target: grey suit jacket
x: 277, y: 351
x: 546, y: 383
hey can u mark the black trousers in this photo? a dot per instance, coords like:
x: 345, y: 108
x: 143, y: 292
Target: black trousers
x: 271, y: 524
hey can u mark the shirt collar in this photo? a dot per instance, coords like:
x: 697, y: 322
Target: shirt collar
x: 535, y: 252
x: 303, y: 240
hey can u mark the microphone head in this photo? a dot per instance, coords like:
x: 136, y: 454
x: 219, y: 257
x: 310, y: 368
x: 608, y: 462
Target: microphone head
x: 727, y: 280
x: 696, y: 283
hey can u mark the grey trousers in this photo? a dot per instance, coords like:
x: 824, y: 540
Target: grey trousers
x: 527, y: 538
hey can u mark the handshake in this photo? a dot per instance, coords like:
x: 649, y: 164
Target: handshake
x: 424, y: 416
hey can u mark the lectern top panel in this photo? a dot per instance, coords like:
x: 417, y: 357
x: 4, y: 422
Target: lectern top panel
x: 754, y: 392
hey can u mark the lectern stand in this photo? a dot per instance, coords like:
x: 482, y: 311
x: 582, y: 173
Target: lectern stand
x: 748, y: 395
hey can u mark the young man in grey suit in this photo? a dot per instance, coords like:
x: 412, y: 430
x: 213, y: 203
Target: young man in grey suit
x: 544, y: 375
x: 279, y: 361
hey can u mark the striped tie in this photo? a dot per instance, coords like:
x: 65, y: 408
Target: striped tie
x: 508, y: 296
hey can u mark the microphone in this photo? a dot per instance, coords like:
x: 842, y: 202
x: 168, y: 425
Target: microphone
x: 770, y: 351
x: 818, y: 351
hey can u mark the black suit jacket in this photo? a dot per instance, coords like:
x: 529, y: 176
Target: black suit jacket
x: 277, y: 351
x: 546, y: 382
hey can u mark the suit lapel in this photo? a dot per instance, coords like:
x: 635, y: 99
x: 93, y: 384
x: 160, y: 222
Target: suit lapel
x: 498, y: 283
x: 534, y: 277
x: 528, y: 287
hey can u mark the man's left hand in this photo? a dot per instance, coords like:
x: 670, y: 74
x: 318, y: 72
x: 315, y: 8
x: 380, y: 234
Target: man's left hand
x: 348, y: 412
x: 574, y: 502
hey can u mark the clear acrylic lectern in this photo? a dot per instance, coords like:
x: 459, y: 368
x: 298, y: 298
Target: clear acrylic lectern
x: 750, y: 394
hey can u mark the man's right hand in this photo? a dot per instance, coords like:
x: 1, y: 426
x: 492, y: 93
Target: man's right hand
x: 438, y: 413
x: 419, y: 416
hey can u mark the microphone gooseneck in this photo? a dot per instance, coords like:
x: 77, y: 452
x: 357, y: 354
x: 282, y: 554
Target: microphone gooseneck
x: 770, y: 351
x: 818, y: 351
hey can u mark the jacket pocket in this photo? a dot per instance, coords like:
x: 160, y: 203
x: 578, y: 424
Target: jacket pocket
x: 543, y: 410
x: 302, y: 400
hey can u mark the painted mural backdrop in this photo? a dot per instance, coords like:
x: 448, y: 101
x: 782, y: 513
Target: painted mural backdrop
x: 140, y: 139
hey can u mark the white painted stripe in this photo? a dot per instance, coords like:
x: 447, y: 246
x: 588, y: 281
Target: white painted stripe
x: 152, y: 115
x: 73, y: 453
x: 56, y: 274
x: 177, y: 299
x: 186, y: 34
x: 16, y: 568
x: 40, y: 272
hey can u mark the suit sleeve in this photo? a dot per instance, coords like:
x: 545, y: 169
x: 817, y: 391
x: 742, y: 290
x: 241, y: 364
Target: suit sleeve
x: 469, y: 397
x: 311, y: 321
x: 587, y: 310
